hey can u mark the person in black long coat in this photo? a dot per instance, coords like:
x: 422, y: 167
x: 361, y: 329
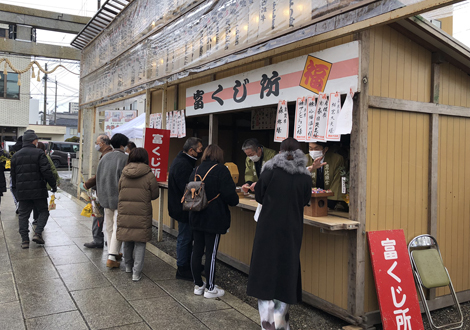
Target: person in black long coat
x: 283, y: 189
x: 210, y: 223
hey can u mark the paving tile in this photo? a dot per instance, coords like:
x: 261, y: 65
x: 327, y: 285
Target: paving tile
x: 135, y: 326
x: 44, y: 297
x: 156, y: 269
x: 105, y: 308
x: 226, y: 319
x: 130, y: 290
x: 56, y: 238
x: 7, y: 288
x: 183, y: 292
x: 165, y: 313
x: 64, y: 255
x: 68, y: 320
x: 61, y: 214
x: 82, y: 276
x: 76, y: 230
x: 11, y: 317
x: 33, y: 270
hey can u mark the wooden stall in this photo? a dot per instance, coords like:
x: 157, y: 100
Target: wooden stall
x: 409, y: 155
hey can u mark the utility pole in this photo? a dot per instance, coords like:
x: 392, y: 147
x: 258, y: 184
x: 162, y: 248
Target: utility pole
x: 45, y: 97
x: 99, y: 4
x: 55, y: 108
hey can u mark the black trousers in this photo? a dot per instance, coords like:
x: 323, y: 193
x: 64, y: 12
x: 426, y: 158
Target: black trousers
x: 97, y: 230
x: 209, y: 242
x: 24, y: 211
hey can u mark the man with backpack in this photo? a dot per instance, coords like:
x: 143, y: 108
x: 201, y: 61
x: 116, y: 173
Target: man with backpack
x: 178, y: 177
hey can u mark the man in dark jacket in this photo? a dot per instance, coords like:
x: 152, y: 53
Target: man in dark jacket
x: 103, y: 145
x: 30, y: 172
x: 178, y: 177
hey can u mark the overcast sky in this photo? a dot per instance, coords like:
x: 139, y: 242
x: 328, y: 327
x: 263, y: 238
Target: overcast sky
x: 68, y: 84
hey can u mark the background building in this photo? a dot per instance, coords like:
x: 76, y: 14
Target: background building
x: 14, y: 101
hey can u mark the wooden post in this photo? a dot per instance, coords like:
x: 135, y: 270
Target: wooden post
x: 161, y: 199
x: 358, y: 184
x: 91, y: 146
x: 213, y: 129
x: 437, y: 59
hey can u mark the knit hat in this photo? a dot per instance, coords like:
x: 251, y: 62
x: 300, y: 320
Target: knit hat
x: 29, y: 136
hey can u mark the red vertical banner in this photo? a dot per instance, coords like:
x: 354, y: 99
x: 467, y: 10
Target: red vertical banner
x: 396, y: 291
x: 157, y: 144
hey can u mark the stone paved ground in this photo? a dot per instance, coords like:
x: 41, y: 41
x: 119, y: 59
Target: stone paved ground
x: 63, y: 285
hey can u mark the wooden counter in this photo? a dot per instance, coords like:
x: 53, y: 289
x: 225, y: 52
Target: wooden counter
x: 334, y: 220
x: 330, y: 222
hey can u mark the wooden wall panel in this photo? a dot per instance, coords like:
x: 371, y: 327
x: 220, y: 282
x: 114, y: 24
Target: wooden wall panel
x: 399, y: 68
x: 453, y: 205
x: 454, y: 86
x: 156, y: 209
x: 397, y: 178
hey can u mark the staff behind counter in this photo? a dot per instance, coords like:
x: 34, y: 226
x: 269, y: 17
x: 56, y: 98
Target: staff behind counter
x: 256, y: 157
x: 328, y: 176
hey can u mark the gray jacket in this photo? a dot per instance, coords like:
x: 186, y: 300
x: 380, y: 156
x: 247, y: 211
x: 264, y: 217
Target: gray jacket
x: 107, y: 178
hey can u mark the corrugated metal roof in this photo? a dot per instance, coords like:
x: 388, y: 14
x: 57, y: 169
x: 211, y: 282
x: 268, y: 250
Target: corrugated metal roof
x: 99, y: 22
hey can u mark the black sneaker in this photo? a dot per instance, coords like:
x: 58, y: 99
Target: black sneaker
x: 25, y: 245
x: 93, y: 245
x: 38, y: 239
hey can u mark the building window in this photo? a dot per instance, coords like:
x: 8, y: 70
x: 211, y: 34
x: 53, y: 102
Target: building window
x: 74, y: 131
x: 9, y: 88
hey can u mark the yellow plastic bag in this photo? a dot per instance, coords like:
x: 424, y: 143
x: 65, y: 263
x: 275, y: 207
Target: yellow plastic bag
x: 52, y: 203
x: 8, y: 164
x: 87, y: 210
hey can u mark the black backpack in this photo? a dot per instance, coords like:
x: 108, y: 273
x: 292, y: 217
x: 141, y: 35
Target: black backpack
x: 194, y: 197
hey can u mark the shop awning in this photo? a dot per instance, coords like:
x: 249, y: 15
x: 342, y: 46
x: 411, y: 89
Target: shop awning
x: 99, y: 22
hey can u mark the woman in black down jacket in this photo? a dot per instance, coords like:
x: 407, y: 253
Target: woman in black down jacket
x: 213, y: 221
x: 284, y: 188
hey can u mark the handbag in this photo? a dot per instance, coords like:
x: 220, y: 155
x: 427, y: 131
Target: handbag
x: 194, y: 197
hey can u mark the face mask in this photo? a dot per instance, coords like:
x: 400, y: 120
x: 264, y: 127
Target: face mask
x: 97, y: 147
x: 315, y: 154
x: 255, y: 158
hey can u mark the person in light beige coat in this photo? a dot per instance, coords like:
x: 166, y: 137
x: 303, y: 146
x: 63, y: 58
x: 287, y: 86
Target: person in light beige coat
x: 137, y: 188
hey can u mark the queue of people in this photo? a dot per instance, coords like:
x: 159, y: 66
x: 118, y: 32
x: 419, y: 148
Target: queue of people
x: 125, y: 187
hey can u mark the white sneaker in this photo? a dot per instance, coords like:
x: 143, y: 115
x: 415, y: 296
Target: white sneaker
x: 136, y: 277
x: 216, y: 292
x: 128, y: 269
x: 199, y: 290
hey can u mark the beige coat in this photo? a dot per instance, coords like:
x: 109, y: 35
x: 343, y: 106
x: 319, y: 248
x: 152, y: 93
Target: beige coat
x: 137, y: 188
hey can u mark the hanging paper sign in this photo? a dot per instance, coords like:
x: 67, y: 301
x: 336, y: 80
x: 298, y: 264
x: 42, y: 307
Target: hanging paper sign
x: 183, y: 124
x: 178, y: 123
x: 157, y: 144
x: 321, y: 117
x: 345, y: 120
x: 158, y: 121
x: 168, y: 121
x: 282, y: 122
x: 300, y: 131
x: 311, y: 107
x: 173, y: 128
x: 334, y: 108
x: 396, y: 290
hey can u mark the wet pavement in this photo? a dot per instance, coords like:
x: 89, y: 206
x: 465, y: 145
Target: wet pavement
x: 63, y: 285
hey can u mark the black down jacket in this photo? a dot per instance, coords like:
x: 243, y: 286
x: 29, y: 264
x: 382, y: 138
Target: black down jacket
x: 30, y: 170
x: 180, y: 170
x: 215, y: 218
